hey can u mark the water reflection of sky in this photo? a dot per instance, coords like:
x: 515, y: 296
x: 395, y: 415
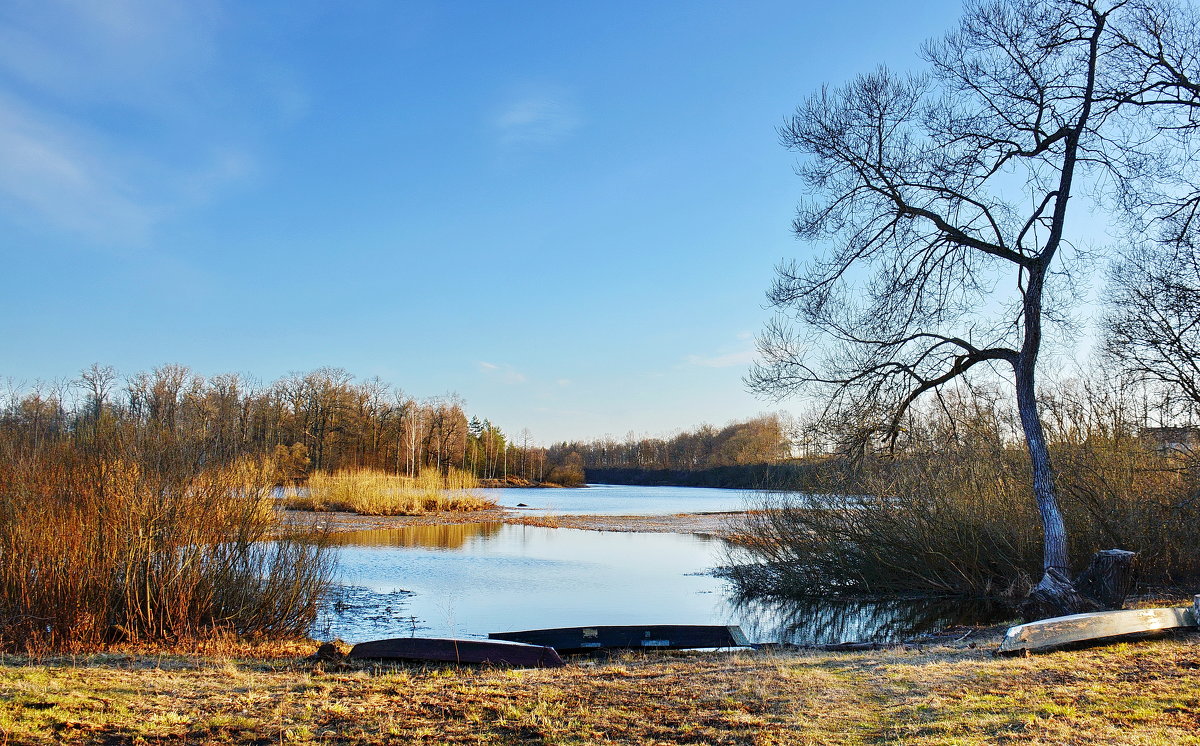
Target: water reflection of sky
x: 515, y: 577
x: 619, y: 499
x: 469, y: 580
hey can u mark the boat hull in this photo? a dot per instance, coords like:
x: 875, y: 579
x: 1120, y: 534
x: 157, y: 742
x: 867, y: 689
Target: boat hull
x: 449, y: 650
x: 1064, y: 630
x: 660, y: 636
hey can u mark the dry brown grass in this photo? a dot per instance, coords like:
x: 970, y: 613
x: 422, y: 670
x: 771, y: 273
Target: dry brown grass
x: 1133, y: 693
x: 546, y: 520
x: 370, y: 492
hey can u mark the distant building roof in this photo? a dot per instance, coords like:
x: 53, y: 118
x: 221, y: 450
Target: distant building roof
x: 1179, y: 438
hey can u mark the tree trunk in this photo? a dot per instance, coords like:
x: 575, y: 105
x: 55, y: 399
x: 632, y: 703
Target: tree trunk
x: 1054, y: 535
x: 1053, y: 595
x: 1103, y: 585
x: 1108, y: 578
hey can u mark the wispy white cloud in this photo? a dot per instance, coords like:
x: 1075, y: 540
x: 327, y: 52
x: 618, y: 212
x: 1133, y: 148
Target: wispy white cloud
x: 221, y: 166
x: 93, y: 99
x: 536, y: 117
x: 51, y: 173
x: 727, y: 360
x: 503, y: 373
x: 142, y: 54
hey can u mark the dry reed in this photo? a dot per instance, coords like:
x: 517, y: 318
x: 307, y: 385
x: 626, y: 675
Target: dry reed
x: 371, y: 492
x: 116, y: 540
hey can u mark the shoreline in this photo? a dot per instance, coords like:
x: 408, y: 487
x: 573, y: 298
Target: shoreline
x: 948, y: 689
x: 707, y: 524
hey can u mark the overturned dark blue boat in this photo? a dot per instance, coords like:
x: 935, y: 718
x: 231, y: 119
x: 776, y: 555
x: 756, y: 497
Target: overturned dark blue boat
x: 616, y: 637
x: 450, y: 650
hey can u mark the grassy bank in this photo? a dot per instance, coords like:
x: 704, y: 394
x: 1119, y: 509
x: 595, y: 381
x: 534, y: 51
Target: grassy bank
x: 1135, y: 693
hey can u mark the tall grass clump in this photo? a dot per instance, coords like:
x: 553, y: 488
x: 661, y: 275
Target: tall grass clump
x: 372, y: 492
x: 951, y: 511
x: 129, y: 537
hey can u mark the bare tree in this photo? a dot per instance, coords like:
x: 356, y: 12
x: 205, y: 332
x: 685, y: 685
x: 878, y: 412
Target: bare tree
x: 97, y: 381
x: 1152, y: 324
x: 1152, y: 328
x: 945, y: 200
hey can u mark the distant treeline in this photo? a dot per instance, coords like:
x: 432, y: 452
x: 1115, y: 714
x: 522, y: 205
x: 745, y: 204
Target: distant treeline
x: 323, y: 420
x: 326, y: 420
x: 745, y: 476
x: 701, y: 457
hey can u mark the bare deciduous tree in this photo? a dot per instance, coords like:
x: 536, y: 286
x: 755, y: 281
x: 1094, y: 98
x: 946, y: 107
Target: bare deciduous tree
x: 97, y: 381
x: 1153, y: 326
x: 950, y: 204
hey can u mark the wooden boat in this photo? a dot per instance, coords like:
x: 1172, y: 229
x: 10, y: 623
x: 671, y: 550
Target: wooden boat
x: 661, y: 636
x: 459, y: 651
x: 1096, y: 625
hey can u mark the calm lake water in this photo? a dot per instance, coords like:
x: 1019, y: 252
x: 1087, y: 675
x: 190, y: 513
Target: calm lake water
x: 619, y: 499
x: 469, y: 580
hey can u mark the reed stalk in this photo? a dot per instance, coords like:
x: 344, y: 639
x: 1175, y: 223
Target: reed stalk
x: 371, y: 492
x: 123, y: 542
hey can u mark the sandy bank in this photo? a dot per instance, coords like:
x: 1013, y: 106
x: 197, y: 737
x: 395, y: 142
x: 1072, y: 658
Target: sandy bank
x: 712, y: 524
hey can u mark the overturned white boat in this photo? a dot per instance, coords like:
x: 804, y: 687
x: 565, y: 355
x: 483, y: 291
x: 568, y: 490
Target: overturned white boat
x: 1097, y: 625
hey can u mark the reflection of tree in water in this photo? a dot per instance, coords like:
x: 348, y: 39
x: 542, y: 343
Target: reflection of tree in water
x: 831, y: 620
x: 445, y: 536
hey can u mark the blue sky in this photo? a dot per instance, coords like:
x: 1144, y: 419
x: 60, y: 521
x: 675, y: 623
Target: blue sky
x: 565, y: 212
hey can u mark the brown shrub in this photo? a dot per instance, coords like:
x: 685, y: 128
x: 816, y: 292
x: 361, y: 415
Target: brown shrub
x: 953, y: 511
x: 112, y: 540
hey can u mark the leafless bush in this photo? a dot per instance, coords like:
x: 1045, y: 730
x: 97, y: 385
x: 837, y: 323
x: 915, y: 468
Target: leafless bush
x: 949, y: 513
x: 111, y: 536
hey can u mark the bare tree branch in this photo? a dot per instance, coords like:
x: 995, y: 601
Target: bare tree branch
x: 927, y: 193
